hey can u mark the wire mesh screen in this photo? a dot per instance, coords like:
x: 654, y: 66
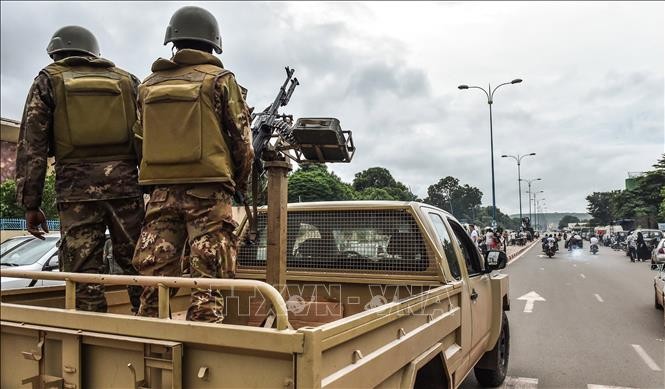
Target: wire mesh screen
x: 382, y: 240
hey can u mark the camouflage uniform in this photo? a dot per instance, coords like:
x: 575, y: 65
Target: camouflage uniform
x: 91, y: 196
x: 198, y: 214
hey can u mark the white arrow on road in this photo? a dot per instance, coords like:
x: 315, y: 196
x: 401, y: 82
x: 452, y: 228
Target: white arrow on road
x: 530, y: 299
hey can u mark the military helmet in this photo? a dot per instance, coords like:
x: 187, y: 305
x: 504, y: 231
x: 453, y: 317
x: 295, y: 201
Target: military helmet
x: 194, y: 23
x: 73, y: 38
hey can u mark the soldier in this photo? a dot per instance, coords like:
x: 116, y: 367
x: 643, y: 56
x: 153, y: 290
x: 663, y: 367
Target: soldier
x: 81, y: 110
x: 197, y: 152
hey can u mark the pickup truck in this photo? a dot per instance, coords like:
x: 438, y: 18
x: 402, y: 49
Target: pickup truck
x: 378, y: 294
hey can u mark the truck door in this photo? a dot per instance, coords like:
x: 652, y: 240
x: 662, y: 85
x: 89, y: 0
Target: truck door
x: 479, y: 291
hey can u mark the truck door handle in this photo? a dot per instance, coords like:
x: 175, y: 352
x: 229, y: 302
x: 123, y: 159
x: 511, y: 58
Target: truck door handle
x: 474, y: 294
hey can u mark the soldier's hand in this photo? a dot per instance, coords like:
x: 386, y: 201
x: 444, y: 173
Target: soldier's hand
x: 35, y: 218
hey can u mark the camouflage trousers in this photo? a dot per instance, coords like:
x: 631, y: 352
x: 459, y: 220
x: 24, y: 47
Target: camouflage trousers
x: 83, y: 238
x: 195, y: 218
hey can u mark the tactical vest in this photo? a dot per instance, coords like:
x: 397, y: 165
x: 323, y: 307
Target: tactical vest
x: 183, y: 141
x: 94, y: 110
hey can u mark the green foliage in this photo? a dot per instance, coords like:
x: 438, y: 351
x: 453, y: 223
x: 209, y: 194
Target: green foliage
x: 460, y: 200
x: 484, y: 218
x: 568, y: 219
x: 10, y: 209
x: 315, y: 183
x: 380, y: 178
x: 49, y: 205
x: 661, y: 215
x: 645, y: 202
x: 375, y: 194
x: 599, y: 207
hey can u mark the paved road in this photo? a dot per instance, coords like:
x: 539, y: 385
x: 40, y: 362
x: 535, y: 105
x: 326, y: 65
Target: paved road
x: 598, y: 325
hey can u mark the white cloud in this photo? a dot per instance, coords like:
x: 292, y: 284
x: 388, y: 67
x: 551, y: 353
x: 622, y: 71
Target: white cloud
x: 591, y: 104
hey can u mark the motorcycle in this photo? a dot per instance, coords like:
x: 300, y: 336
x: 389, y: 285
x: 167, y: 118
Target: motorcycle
x: 594, y: 248
x: 550, y: 249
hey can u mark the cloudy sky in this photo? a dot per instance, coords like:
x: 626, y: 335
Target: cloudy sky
x: 591, y: 105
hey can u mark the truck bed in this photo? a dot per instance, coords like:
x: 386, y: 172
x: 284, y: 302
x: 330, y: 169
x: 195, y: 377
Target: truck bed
x: 368, y: 348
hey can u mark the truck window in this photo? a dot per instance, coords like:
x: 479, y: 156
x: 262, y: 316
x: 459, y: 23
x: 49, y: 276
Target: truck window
x: 448, y: 250
x: 380, y: 240
x: 469, y: 251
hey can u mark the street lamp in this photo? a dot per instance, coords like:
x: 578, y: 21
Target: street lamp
x: 490, y: 99
x: 518, y: 158
x: 529, y: 181
x: 535, y: 203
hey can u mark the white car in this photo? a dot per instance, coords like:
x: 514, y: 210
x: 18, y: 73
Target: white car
x: 658, y: 254
x: 32, y: 254
x: 659, y: 290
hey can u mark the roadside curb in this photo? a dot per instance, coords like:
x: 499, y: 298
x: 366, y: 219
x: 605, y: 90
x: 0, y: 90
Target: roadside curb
x: 512, y: 257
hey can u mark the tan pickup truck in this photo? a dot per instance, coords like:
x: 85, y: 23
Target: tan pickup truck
x: 378, y: 294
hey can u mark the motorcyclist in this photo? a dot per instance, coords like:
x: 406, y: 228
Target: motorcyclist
x: 593, y: 242
x: 552, y: 239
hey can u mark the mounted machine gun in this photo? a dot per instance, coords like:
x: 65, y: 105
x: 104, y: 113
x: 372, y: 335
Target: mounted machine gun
x: 276, y: 141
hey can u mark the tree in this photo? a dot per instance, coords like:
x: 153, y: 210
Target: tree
x: 567, y: 220
x: 380, y: 178
x: 600, y: 206
x: 10, y: 209
x: 645, y: 202
x: 460, y: 200
x: 314, y: 182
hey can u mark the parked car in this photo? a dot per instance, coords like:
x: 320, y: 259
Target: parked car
x: 12, y: 243
x: 32, y: 254
x: 659, y: 290
x: 29, y: 253
x: 658, y: 254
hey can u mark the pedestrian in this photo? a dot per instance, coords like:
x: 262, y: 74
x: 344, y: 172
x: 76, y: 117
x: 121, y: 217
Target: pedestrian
x: 196, y: 140
x: 80, y: 109
x: 642, y: 249
x: 489, y: 238
x: 473, y: 234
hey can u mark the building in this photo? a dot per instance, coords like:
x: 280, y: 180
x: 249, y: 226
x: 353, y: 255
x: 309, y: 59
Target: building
x: 8, y: 140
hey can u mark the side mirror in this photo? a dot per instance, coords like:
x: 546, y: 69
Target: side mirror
x: 495, y: 260
x: 52, y: 264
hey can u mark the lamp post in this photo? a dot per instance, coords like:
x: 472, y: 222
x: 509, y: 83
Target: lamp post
x: 490, y: 99
x: 518, y: 159
x: 535, y: 203
x: 529, y: 181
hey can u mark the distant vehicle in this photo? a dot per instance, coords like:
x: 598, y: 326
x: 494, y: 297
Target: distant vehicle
x: 32, y: 254
x: 658, y: 254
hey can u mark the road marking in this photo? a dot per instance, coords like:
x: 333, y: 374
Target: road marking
x: 574, y: 265
x: 646, y: 358
x: 592, y: 386
x: 542, y: 268
x: 520, y: 383
x: 530, y: 299
x: 582, y: 275
x: 600, y: 299
x: 524, y: 251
